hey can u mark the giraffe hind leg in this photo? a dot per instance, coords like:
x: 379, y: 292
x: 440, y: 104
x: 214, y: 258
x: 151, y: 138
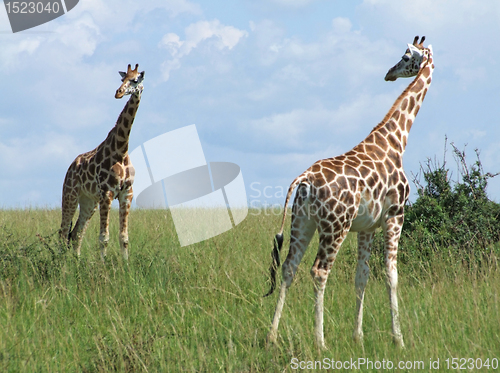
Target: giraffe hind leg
x: 87, y: 209
x: 303, y: 229
x: 69, y: 206
x: 329, y: 245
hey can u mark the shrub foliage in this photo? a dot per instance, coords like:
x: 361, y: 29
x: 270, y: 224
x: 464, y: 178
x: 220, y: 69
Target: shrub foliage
x: 456, y: 217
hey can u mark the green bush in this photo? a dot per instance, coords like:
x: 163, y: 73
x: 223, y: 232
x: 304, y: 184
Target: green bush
x: 452, y: 217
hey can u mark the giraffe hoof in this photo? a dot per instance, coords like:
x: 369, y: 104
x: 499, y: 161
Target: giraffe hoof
x: 358, y: 337
x: 271, y: 338
x: 399, y: 342
x: 321, y: 346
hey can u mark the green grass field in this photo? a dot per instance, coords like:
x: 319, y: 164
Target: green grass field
x: 200, y: 308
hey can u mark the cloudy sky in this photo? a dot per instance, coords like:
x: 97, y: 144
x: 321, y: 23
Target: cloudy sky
x: 272, y: 85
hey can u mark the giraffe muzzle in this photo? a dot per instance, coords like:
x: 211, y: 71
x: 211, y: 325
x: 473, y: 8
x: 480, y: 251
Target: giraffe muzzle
x: 389, y: 77
x: 119, y: 93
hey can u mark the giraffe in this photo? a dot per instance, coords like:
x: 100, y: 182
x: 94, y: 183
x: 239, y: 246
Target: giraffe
x: 103, y: 174
x: 358, y: 191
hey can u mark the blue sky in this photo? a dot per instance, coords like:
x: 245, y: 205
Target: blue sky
x: 271, y: 85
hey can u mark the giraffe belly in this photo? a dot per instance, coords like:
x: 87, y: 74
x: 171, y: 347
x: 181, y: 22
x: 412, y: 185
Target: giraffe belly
x: 369, y: 217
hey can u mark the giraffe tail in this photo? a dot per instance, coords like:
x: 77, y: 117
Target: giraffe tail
x: 278, y: 243
x: 70, y: 228
x: 278, y: 239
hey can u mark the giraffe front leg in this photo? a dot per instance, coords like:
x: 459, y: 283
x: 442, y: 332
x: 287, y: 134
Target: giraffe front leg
x: 365, y: 240
x: 392, y: 233
x: 125, y: 202
x: 104, y: 208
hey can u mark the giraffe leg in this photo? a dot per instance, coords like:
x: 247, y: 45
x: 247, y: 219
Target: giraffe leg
x: 328, y: 248
x: 303, y: 230
x: 70, y: 192
x: 365, y: 240
x: 69, y: 206
x: 104, y: 208
x: 87, y: 209
x: 392, y: 233
x: 125, y: 202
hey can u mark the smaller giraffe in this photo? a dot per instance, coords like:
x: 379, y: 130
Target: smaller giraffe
x: 103, y: 174
x: 358, y: 191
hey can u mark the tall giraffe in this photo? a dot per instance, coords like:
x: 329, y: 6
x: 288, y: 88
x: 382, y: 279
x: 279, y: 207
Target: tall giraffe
x: 103, y: 174
x: 358, y: 191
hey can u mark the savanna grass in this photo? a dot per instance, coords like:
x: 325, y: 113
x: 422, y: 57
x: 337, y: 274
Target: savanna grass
x: 200, y: 308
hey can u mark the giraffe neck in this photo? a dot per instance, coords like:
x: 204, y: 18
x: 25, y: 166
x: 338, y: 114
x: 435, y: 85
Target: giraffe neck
x: 119, y: 135
x: 397, y: 123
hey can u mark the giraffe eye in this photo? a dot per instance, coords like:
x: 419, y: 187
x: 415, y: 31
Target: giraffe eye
x: 406, y: 58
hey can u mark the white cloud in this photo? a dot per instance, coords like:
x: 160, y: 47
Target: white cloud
x: 476, y: 134
x: 70, y: 41
x: 268, y: 38
x: 434, y: 14
x: 295, y: 4
x: 305, y: 129
x: 172, y: 43
x: 116, y: 16
x: 81, y: 35
x: 266, y: 92
x: 340, y: 56
x: 292, y: 72
x: 222, y: 37
x: 341, y: 25
x: 17, y: 52
x: 30, y: 153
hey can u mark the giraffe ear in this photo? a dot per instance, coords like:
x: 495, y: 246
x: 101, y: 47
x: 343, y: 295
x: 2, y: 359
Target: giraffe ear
x: 414, y: 50
x: 122, y: 74
x: 141, y: 77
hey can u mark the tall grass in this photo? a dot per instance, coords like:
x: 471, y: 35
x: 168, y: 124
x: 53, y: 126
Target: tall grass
x: 200, y: 308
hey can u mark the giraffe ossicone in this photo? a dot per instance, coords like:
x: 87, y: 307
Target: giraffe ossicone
x: 97, y: 177
x: 358, y: 191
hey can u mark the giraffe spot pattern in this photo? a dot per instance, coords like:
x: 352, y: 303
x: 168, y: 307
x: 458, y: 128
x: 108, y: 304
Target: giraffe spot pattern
x: 96, y: 177
x: 419, y: 85
x: 411, y: 104
x: 367, y: 185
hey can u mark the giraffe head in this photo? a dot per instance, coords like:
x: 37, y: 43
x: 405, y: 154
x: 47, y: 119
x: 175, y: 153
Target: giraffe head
x: 410, y: 62
x: 131, y: 82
